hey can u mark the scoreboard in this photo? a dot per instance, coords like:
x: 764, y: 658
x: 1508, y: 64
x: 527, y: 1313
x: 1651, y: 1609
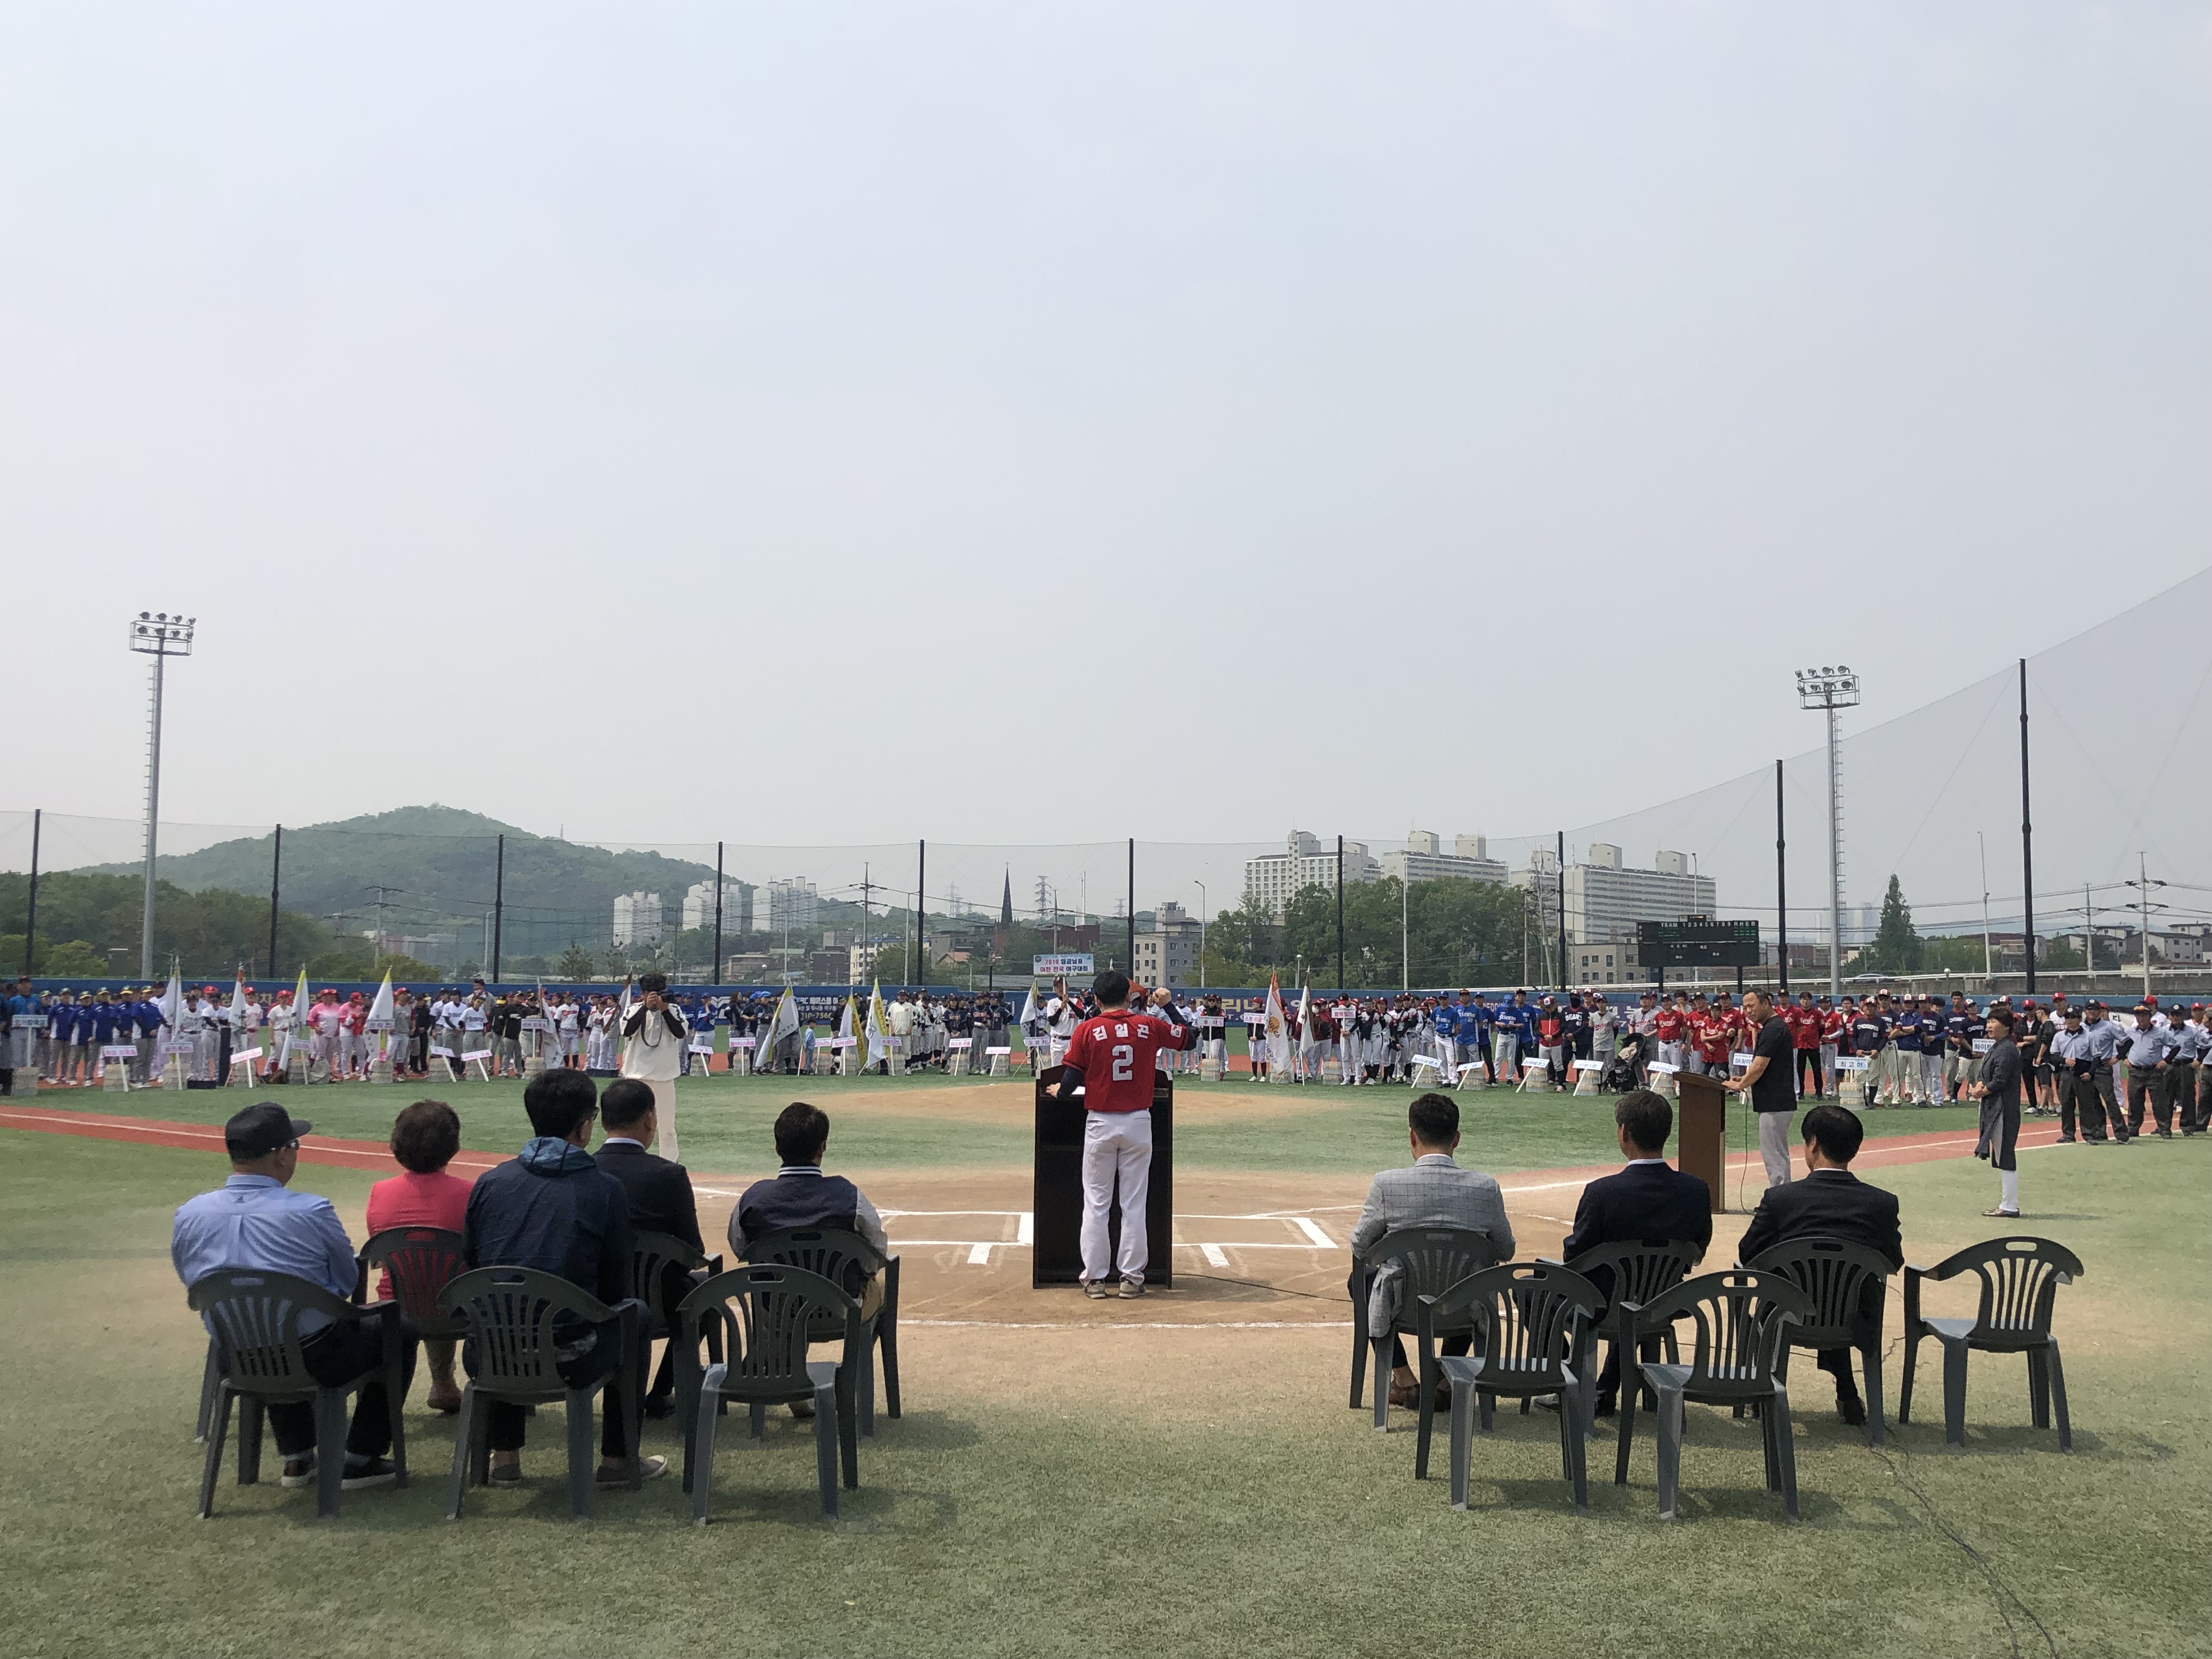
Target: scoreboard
x: 1694, y: 942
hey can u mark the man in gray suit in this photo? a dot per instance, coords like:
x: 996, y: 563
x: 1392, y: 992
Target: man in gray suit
x: 1434, y: 1193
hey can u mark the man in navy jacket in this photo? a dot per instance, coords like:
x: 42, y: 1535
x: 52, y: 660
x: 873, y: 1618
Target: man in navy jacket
x: 1647, y: 1200
x: 554, y: 1209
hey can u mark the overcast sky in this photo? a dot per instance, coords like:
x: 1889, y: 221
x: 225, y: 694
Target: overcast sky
x: 845, y: 423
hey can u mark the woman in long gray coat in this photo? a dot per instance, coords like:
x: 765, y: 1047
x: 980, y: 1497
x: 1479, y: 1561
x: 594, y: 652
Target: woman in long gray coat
x: 1997, y: 1088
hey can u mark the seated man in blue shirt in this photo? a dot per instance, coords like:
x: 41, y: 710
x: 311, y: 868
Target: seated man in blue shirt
x: 552, y: 1208
x: 253, y: 1223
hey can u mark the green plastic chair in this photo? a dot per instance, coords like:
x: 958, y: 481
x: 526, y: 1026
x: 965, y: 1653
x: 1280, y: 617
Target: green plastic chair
x: 1532, y: 1331
x: 650, y: 1259
x: 1431, y: 1260
x: 837, y: 1256
x: 515, y: 1325
x: 253, y: 1319
x: 2019, y: 1279
x: 1837, y: 1275
x: 1738, y: 1322
x: 422, y: 1262
x: 767, y: 1316
x: 1636, y: 1271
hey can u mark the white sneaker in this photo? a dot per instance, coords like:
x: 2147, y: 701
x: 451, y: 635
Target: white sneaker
x: 1131, y: 1289
x: 1094, y: 1288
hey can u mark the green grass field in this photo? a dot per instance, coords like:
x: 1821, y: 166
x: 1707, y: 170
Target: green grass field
x: 883, y: 1123
x: 1086, y: 1491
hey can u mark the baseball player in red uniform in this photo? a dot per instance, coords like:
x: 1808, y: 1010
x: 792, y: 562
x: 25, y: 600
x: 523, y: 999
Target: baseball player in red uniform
x: 1110, y: 1057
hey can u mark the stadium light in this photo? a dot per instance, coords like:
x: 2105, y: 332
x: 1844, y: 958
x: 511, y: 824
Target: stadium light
x: 159, y: 635
x: 1828, y: 690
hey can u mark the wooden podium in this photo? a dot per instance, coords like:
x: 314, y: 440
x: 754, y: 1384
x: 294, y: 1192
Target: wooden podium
x: 1701, y: 1133
x: 1056, y: 1251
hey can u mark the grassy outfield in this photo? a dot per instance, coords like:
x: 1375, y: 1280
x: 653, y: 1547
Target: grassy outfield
x: 1084, y: 1491
x: 927, y: 1121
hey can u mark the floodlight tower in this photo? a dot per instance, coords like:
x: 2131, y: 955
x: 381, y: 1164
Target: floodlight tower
x: 1829, y: 690
x: 160, y: 636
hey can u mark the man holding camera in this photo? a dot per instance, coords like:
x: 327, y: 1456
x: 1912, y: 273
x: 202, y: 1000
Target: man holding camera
x: 654, y: 1036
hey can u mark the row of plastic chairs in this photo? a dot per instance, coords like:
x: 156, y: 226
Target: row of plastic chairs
x: 755, y: 1324
x: 1535, y: 1328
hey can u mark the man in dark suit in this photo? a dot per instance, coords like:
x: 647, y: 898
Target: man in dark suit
x: 1649, y: 1199
x: 1831, y: 1202
x: 661, y: 1201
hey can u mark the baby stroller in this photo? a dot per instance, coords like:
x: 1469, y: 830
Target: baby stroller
x: 1624, y: 1072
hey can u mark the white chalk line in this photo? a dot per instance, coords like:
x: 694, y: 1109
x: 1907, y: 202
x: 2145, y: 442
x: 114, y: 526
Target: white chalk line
x: 1132, y: 1325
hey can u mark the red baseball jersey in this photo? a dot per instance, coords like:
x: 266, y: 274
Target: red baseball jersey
x: 1115, y: 1054
x: 1669, y: 1025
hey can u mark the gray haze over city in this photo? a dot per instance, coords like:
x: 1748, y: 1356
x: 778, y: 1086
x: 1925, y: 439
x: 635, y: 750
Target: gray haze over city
x: 849, y: 423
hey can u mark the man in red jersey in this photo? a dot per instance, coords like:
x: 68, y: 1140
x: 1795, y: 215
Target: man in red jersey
x: 1111, y: 1058
x: 1671, y: 1026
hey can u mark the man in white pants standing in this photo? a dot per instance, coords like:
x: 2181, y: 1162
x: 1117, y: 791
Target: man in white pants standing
x: 1773, y: 1088
x: 1111, y: 1057
x: 654, y: 1037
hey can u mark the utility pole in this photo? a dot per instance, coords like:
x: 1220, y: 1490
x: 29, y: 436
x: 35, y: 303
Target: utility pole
x: 1989, y: 956
x: 2089, y: 939
x: 1201, y: 932
x: 1561, y: 878
x: 1829, y: 690
x: 160, y: 636
x: 714, y: 972
x: 2143, y: 884
x: 1405, y: 940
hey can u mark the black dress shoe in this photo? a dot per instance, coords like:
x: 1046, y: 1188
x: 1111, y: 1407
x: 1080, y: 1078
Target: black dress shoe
x: 1851, y: 1408
x: 659, y: 1406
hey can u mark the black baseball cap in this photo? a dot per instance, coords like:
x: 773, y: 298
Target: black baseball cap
x: 260, y: 1130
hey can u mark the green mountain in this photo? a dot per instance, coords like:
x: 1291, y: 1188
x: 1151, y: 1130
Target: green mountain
x: 437, y: 870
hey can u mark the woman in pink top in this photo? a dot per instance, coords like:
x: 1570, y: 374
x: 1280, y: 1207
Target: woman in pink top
x: 424, y: 1139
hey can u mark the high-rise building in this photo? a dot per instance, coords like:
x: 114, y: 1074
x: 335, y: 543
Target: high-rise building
x: 1305, y: 861
x: 1605, y: 899
x: 737, y: 906
x: 640, y: 918
x: 793, y: 903
x: 1424, y: 859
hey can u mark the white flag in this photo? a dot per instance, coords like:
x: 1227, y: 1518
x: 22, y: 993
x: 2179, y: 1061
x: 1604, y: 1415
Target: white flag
x: 173, y: 1002
x: 848, y: 1022
x: 879, y: 1033
x: 238, y: 1005
x: 380, y: 1011
x: 1279, y: 1034
x: 786, y: 1023
x: 1305, y: 1018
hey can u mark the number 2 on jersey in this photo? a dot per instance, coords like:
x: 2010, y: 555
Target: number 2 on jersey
x: 1125, y: 1062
